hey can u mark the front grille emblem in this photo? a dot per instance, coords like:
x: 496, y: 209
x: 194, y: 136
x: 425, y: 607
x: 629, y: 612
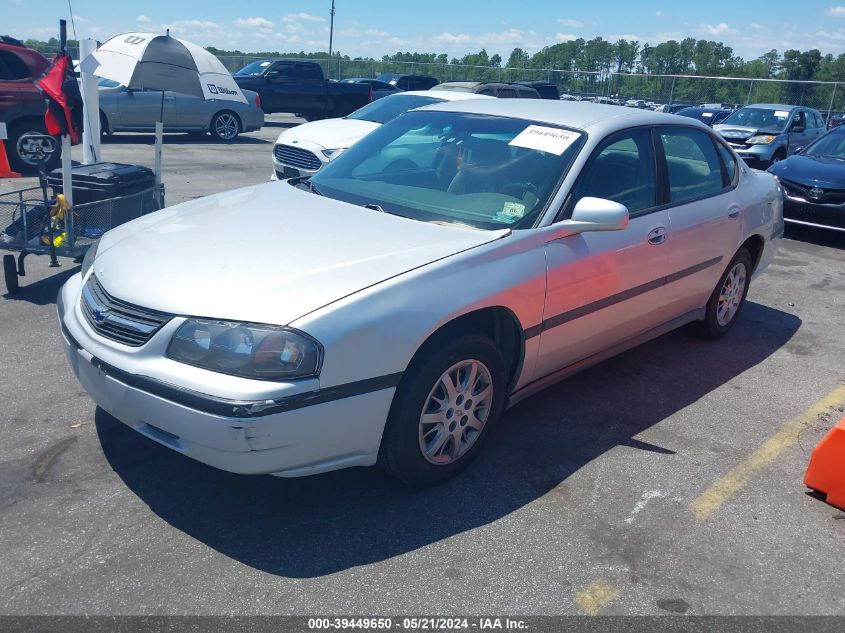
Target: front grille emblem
x: 100, y: 315
x: 815, y: 193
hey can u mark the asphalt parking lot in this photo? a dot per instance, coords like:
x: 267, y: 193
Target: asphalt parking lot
x: 665, y: 481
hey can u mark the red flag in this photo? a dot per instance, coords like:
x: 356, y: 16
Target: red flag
x: 64, y: 101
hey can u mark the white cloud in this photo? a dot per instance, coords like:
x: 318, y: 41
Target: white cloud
x: 565, y: 37
x: 302, y: 17
x: 79, y: 18
x: 376, y: 33
x: 254, y: 22
x: 449, y: 38
x: 756, y: 26
x: 720, y: 29
x: 143, y: 19
x: 836, y: 12
x: 659, y: 14
x: 575, y: 24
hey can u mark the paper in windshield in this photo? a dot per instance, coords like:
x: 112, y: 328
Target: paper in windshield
x: 545, y: 139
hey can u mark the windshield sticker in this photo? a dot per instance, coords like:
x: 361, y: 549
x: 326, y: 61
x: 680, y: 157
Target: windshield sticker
x: 706, y: 114
x: 511, y: 212
x: 781, y: 114
x: 545, y: 139
x: 263, y: 64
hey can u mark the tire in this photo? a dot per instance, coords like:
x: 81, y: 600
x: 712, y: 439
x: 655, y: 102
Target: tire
x: 422, y: 453
x: 725, y: 304
x: 17, y: 138
x: 225, y: 126
x: 779, y: 156
x: 10, y: 272
x: 104, y: 125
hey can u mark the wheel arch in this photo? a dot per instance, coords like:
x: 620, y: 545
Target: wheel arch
x: 225, y: 111
x: 755, y: 245
x: 498, y: 323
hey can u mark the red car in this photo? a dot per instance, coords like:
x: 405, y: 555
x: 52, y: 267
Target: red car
x: 22, y: 106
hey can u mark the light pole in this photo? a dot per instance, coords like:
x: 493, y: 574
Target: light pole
x: 331, y: 29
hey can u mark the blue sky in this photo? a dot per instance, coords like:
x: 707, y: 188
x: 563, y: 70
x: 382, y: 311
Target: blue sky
x: 378, y: 27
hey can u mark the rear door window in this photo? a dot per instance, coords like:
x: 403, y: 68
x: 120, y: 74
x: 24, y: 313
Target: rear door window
x: 693, y: 166
x: 12, y: 67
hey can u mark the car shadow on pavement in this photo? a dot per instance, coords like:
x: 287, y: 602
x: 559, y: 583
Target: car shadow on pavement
x: 327, y: 523
x: 44, y: 291
x: 180, y: 139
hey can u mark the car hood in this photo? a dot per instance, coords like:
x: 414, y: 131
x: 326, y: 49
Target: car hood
x: 267, y: 254
x: 828, y: 173
x: 329, y: 133
x: 738, y: 131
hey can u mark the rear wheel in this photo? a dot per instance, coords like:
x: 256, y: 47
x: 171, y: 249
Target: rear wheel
x: 10, y: 272
x: 779, y: 156
x: 443, y: 410
x: 225, y: 126
x: 728, y: 297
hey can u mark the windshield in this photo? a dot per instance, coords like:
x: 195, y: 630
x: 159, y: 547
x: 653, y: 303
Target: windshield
x: 107, y: 83
x: 484, y: 171
x: 696, y: 113
x: 254, y: 69
x: 828, y: 146
x: 383, y: 110
x: 759, y: 118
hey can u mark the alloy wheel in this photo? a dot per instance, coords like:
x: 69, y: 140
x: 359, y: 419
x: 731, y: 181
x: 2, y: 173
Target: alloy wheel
x: 455, y: 412
x: 731, y: 294
x: 226, y: 126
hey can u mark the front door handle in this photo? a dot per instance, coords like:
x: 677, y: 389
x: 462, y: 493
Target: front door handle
x: 733, y: 212
x: 657, y: 235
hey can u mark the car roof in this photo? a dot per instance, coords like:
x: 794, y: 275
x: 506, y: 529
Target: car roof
x: 774, y: 106
x: 580, y: 115
x: 446, y: 95
x: 461, y: 84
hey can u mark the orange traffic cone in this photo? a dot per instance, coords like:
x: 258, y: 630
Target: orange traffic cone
x: 826, y: 472
x: 5, y: 169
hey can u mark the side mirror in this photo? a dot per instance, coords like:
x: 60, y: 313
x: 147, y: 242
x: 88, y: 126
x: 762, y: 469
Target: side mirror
x: 592, y: 214
x: 797, y: 150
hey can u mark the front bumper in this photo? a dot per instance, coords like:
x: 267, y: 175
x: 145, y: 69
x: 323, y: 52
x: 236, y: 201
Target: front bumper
x: 756, y: 156
x: 799, y: 211
x: 300, y: 439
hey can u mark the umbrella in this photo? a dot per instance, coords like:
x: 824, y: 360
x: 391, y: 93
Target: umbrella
x: 146, y: 61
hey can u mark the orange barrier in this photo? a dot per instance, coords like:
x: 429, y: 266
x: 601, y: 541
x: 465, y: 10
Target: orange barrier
x: 826, y: 472
x: 5, y: 169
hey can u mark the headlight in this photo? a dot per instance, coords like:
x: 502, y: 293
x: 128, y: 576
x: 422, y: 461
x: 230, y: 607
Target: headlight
x: 761, y: 139
x: 88, y: 260
x: 333, y: 153
x: 263, y: 352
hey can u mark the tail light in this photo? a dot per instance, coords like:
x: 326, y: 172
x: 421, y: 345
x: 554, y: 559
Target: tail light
x: 258, y: 101
x: 371, y: 93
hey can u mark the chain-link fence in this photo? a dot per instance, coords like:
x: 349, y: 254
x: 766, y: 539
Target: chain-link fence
x: 687, y: 89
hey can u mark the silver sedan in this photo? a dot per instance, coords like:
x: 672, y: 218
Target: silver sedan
x: 125, y: 110
x: 454, y: 261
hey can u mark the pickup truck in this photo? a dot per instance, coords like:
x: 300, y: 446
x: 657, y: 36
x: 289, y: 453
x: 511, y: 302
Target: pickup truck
x: 291, y: 85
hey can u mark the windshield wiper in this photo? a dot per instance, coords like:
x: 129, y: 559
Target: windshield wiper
x: 374, y: 207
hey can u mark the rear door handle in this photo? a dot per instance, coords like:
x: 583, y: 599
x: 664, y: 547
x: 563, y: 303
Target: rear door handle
x: 733, y: 212
x: 657, y: 235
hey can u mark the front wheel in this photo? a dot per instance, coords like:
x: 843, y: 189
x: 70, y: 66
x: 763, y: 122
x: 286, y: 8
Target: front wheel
x: 10, y: 272
x: 225, y: 126
x: 728, y: 297
x: 443, y: 410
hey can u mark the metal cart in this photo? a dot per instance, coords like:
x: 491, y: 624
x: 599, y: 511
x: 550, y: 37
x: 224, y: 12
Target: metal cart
x: 25, y: 226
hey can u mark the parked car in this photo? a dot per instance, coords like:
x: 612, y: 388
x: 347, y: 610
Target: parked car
x: 636, y: 103
x: 125, y: 110
x: 379, y: 88
x: 381, y: 316
x: 568, y: 97
x: 299, y: 87
x: 835, y: 120
x: 813, y: 182
x: 409, y: 82
x: 546, y: 89
x: 708, y: 116
x: 302, y: 150
x: 764, y: 133
x: 490, y: 89
x: 22, y: 106
x: 672, y: 108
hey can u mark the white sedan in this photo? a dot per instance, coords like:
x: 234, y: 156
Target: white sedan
x: 384, y: 314
x: 302, y: 150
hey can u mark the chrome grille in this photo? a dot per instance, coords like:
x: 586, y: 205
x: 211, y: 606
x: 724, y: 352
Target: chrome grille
x: 118, y: 320
x: 297, y: 157
x: 829, y: 196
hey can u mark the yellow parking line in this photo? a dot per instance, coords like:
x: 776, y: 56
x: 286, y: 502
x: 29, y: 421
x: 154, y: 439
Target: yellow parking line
x: 596, y: 597
x: 726, y: 487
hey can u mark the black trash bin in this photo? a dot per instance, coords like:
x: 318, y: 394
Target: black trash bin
x: 101, y: 181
